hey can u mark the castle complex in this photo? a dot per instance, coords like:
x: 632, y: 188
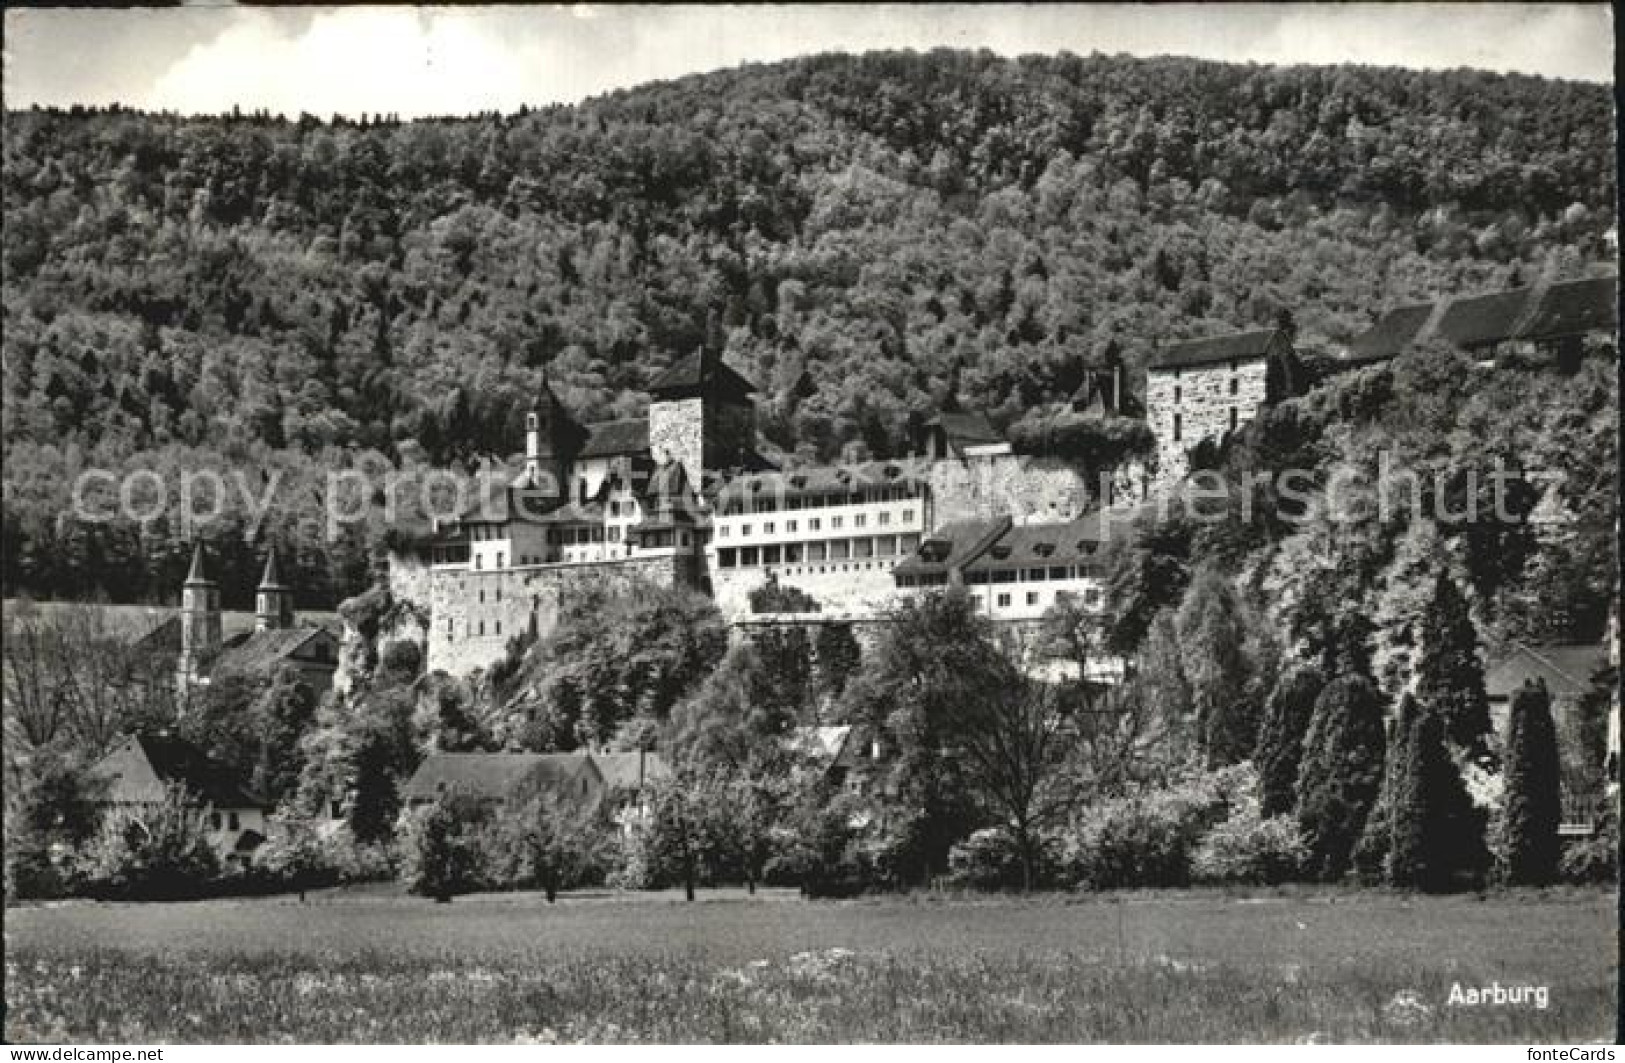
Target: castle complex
x: 683, y: 496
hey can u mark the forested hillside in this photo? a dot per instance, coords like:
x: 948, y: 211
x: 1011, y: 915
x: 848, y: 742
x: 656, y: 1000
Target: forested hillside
x: 861, y: 234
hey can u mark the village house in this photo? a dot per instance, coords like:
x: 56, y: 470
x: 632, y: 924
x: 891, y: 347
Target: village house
x: 143, y: 771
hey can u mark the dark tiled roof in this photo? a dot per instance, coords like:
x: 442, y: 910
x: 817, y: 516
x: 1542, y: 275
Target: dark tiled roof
x: 1255, y: 344
x: 589, y: 512
x: 1562, y: 308
x: 1476, y: 320
x: 630, y: 771
x: 1575, y: 307
x: 966, y: 429
x: 175, y: 760
x: 1072, y: 543
x: 1392, y: 333
x: 701, y: 371
x: 261, y: 651
x: 1567, y: 669
x: 966, y: 540
x: 608, y: 439
x: 494, y: 776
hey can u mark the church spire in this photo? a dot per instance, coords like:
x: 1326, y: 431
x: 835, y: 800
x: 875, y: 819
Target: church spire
x: 273, y: 601
x: 198, y: 575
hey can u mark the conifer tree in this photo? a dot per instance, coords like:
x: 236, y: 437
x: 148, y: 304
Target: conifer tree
x: 1533, y: 790
x: 1376, y: 841
x: 1341, y: 773
x: 1449, y: 676
x: 1437, y: 838
x: 1279, y: 754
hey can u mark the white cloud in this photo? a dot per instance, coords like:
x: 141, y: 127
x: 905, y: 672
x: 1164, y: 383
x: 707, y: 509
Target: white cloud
x: 459, y: 60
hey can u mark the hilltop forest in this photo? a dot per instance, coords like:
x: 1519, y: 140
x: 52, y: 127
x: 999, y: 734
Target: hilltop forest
x: 861, y: 235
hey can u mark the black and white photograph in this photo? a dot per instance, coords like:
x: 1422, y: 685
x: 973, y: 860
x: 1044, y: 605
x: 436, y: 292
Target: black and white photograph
x: 810, y: 524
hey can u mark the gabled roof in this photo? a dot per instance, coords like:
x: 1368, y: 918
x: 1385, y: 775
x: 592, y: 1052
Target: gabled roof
x: 824, y: 743
x: 702, y: 371
x: 171, y: 761
x: 1477, y: 320
x: 261, y: 651
x: 630, y: 771
x: 966, y: 539
x: 1567, y: 669
x: 1256, y: 344
x: 608, y: 439
x: 1573, y: 308
x: 498, y: 776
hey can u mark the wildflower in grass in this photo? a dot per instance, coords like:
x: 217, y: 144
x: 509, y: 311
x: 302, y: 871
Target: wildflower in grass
x: 1406, y: 1009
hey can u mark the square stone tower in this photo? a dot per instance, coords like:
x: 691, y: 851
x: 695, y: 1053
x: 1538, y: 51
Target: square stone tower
x: 701, y: 414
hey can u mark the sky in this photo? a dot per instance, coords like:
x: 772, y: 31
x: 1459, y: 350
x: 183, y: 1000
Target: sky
x: 415, y: 61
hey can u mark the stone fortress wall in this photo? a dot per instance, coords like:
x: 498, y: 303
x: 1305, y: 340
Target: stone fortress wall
x: 472, y: 615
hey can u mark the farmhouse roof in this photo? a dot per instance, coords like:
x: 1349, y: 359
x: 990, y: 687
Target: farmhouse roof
x: 170, y: 761
x: 1256, y: 344
x: 630, y: 771
x: 1541, y: 312
x: 1566, y: 669
x: 495, y: 776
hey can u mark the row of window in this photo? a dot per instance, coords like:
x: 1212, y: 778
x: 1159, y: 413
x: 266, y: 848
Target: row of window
x: 831, y: 550
x: 1033, y: 574
x: 859, y: 520
x: 1034, y: 599
x: 231, y: 821
x: 475, y: 629
x: 1235, y: 389
x: 768, y: 501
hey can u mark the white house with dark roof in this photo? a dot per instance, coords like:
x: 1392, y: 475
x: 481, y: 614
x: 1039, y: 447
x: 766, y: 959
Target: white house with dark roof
x: 142, y: 771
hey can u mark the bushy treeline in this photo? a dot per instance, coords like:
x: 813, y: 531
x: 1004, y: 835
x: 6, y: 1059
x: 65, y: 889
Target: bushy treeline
x: 858, y: 233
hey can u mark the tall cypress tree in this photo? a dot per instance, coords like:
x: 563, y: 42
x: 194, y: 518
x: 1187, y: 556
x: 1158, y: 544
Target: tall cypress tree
x: 1341, y: 773
x: 1437, y: 836
x: 1533, y: 790
x: 1279, y: 755
x: 1449, y: 676
x: 1376, y: 841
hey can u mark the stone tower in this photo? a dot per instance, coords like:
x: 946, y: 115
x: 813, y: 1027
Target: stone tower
x: 200, y: 620
x: 552, y: 440
x: 701, y: 414
x: 273, y: 601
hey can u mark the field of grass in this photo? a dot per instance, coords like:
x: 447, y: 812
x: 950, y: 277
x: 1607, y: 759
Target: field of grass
x: 1175, y: 966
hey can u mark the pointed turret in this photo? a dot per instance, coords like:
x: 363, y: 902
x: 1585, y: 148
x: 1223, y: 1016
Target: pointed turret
x: 273, y: 601
x: 552, y: 441
x: 200, y: 620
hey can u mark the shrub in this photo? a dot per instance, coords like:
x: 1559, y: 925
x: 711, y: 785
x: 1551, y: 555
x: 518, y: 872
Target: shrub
x: 1249, y: 850
x: 989, y: 859
x: 1595, y: 860
x: 1148, y: 839
x: 162, y: 853
x: 441, y: 852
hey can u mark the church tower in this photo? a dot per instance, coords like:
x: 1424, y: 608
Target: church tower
x: 200, y: 620
x: 273, y: 601
x: 552, y: 440
x: 701, y: 414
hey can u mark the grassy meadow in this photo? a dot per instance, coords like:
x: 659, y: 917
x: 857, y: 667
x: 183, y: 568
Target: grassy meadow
x: 373, y: 965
